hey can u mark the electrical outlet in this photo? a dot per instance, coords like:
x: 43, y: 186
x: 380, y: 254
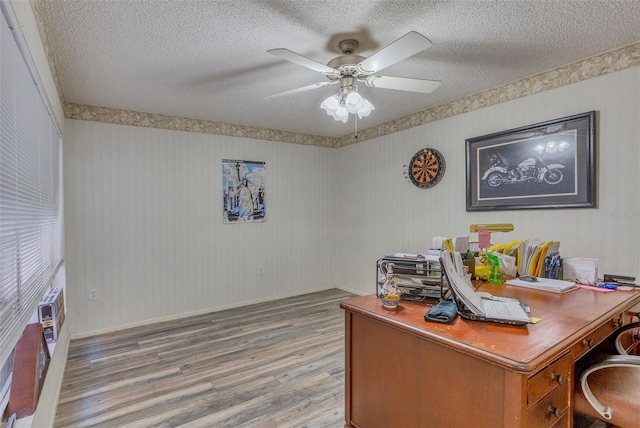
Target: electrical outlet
x: 93, y: 294
x: 260, y: 270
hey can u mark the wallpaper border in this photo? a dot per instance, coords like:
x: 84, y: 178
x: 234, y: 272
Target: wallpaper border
x: 151, y: 120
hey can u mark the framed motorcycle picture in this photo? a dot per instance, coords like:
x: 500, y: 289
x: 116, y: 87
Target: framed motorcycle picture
x: 545, y: 165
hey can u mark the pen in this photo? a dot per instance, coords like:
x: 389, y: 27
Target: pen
x: 607, y: 286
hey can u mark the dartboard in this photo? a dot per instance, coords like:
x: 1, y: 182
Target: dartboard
x: 426, y: 168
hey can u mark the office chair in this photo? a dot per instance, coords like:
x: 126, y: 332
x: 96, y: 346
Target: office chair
x: 608, y: 387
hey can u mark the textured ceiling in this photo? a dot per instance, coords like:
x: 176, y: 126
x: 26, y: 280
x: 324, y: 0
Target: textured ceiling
x: 208, y: 59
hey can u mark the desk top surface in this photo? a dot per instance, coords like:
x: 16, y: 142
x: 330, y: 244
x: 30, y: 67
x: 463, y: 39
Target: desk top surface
x: 564, y: 319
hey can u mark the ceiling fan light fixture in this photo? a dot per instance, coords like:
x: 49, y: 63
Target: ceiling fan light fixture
x: 335, y: 108
x: 331, y: 104
x: 339, y: 107
x: 366, y: 109
x: 341, y: 114
x: 353, y: 102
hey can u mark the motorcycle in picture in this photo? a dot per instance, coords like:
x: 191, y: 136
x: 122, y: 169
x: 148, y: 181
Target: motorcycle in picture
x: 531, y: 170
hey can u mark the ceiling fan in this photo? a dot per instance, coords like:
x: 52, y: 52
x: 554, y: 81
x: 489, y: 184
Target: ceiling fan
x: 349, y: 69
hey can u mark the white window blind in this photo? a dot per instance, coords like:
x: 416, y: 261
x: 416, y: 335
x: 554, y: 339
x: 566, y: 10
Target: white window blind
x: 30, y: 190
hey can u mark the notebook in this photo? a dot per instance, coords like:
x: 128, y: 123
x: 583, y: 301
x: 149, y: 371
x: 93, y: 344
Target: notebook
x: 477, y: 306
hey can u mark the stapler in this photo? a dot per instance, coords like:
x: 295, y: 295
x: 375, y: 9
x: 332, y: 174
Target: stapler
x: 629, y: 281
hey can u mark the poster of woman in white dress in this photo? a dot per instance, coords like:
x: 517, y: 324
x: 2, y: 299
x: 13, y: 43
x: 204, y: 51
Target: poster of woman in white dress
x: 243, y: 191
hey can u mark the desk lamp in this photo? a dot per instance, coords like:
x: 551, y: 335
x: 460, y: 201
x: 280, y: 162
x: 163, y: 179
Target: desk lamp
x: 484, y: 232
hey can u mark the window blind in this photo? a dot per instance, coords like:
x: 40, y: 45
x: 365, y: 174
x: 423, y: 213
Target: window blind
x: 30, y: 189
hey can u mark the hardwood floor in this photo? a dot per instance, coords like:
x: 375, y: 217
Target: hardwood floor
x: 275, y: 364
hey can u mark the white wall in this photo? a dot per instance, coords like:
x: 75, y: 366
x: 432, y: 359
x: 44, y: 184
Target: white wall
x: 143, y: 220
x: 384, y: 213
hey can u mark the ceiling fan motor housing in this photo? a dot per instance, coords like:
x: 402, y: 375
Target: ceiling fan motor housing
x: 346, y: 64
x: 349, y: 46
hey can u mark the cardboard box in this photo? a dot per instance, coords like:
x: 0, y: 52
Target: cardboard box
x: 51, y: 314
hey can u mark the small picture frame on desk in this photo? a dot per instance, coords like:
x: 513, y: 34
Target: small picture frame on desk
x: 545, y: 165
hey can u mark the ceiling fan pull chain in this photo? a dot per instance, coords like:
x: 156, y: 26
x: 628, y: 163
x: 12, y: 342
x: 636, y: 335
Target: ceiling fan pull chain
x: 356, y: 134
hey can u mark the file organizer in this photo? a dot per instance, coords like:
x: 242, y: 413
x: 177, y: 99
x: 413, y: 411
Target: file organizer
x: 417, y: 279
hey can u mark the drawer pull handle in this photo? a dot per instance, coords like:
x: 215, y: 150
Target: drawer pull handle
x: 555, y: 411
x: 557, y: 377
x: 587, y: 342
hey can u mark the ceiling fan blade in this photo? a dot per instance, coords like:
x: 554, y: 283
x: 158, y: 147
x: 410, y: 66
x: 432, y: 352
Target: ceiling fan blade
x: 303, y: 61
x: 303, y: 89
x: 407, y: 45
x: 402, y: 83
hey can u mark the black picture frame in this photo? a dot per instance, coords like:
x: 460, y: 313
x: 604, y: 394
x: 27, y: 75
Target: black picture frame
x: 546, y: 165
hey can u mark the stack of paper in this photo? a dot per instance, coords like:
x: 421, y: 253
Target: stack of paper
x: 507, y: 264
x: 416, y: 256
x: 545, y: 284
x: 532, y: 255
x: 584, y: 271
x: 461, y: 244
x: 437, y: 242
x: 511, y: 249
x: 461, y: 282
x: 458, y: 243
x: 483, y: 306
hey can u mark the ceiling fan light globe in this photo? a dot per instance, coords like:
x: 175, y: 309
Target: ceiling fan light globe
x: 366, y: 109
x: 353, y: 102
x: 330, y: 105
x: 341, y: 114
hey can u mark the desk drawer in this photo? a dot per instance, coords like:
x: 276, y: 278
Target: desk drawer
x: 551, y: 409
x: 562, y: 422
x: 556, y: 374
x: 594, y: 338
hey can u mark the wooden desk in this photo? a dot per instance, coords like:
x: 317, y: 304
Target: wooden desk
x: 402, y: 371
